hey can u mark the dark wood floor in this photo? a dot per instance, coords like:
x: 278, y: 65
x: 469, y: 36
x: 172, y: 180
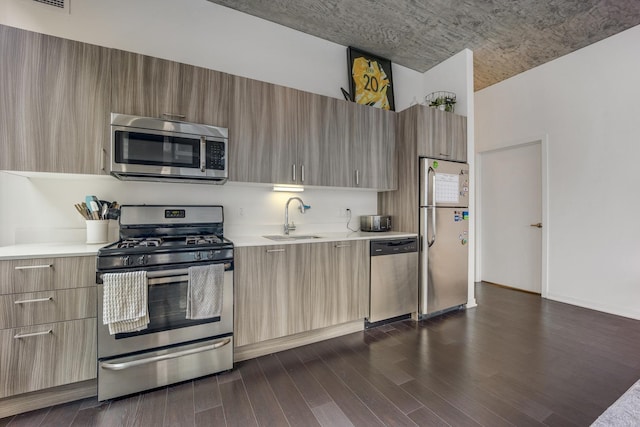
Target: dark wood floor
x: 516, y: 359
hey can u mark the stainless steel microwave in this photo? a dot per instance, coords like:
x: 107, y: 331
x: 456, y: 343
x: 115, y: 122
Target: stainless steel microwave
x: 150, y: 149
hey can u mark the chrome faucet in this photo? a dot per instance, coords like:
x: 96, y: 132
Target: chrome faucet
x: 291, y: 227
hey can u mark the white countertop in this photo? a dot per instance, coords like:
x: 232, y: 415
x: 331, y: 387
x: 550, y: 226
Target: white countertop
x: 46, y: 250
x: 239, y: 240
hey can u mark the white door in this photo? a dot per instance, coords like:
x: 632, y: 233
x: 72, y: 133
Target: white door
x: 510, y: 205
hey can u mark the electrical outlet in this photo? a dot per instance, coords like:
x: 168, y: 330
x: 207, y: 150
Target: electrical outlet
x: 343, y: 212
x: 241, y: 212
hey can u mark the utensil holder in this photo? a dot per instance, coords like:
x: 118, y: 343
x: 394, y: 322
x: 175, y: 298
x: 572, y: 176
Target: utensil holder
x: 97, y: 231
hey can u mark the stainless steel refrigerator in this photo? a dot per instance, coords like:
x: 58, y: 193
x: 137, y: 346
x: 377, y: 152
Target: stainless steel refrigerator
x: 444, y: 234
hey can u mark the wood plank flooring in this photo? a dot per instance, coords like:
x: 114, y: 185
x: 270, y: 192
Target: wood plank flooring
x: 515, y: 360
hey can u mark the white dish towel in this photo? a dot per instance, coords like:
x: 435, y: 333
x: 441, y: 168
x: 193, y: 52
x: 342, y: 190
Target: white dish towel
x: 204, y: 291
x: 124, y: 302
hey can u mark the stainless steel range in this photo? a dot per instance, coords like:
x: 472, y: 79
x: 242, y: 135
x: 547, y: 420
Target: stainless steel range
x: 164, y: 246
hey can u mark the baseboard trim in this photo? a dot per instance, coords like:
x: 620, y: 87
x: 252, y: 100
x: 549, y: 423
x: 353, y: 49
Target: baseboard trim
x: 263, y: 348
x: 512, y: 288
x: 31, y: 401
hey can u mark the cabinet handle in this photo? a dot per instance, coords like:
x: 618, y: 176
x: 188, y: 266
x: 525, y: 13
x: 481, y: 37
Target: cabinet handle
x: 32, y: 334
x: 293, y: 173
x: 27, y: 301
x: 301, y: 173
x: 32, y: 267
x: 274, y: 250
x: 357, y: 177
x: 182, y: 116
x: 445, y: 155
x: 103, y: 157
x: 342, y: 246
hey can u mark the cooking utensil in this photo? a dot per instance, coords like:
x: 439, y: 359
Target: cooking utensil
x: 105, y: 209
x: 94, y: 206
x: 82, y: 210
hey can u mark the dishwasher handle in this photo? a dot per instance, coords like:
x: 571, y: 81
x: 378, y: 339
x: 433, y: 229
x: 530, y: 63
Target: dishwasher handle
x: 393, y: 246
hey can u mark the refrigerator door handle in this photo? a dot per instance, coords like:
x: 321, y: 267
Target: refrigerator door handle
x: 431, y: 180
x: 433, y: 227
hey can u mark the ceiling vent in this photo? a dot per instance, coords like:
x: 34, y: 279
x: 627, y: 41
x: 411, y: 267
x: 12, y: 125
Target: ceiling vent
x: 60, y: 5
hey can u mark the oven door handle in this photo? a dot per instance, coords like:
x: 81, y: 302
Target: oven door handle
x: 145, y: 361
x: 170, y: 279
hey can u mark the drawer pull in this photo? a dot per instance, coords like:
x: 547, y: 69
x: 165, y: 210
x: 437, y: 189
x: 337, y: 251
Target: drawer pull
x: 27, y: 301
x: 133, y: 363
x: 274, y: 250
x: 343, y: 246
x: 32, y: 267
x: 32, y: 334
x: 181, y: 116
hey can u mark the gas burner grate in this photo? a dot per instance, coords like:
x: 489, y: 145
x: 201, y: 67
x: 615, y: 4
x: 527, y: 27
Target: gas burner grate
x: 134, y: 243
x: 202, y: 240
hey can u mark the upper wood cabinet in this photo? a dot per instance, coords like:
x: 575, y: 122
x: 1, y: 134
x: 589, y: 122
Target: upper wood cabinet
x: 373, y: 155
x: 154, y: 87
x: 323, y: 141
x: 285, y: 136
x: 57, y: 96
x: 442, y: 135
x: 263, y: 133
x: 54, y: 108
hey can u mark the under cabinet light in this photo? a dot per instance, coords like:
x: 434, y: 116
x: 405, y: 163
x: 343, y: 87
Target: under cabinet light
x: 288, y: 188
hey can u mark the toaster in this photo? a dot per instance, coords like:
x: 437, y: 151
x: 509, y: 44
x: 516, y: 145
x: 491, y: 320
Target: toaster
x: 375, y: 223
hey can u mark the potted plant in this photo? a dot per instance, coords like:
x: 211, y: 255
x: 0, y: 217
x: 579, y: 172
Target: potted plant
x: 444, y: 101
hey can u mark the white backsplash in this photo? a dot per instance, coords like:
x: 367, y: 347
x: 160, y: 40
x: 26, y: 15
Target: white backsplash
x: 39, y: 208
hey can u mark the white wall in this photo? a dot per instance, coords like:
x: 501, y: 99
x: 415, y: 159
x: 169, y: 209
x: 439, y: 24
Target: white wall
x: 587, y: 104
x: 44, y: 212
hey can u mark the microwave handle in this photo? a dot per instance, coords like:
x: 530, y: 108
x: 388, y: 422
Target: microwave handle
x: 203, y: 154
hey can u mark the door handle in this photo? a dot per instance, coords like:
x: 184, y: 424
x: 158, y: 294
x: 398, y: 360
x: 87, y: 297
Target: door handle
x: 538, y: 225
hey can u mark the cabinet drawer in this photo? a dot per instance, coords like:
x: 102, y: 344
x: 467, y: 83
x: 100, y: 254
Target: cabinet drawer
x: 38, y: 357
x: 43, y: 274
x: 46, y: 307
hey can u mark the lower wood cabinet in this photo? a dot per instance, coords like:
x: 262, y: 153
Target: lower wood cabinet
x: 48, y: 355
x: 41, y: 274
x: 282, y: 290
x: 339, y: 282
x: 49, y: 306
x: 47, y: 323
x: 271, y: 293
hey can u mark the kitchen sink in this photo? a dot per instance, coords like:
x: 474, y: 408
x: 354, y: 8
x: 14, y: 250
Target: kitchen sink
x: 284, y: 237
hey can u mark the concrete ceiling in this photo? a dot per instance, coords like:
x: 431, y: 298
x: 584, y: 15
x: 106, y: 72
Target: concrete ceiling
x: 507, y: 37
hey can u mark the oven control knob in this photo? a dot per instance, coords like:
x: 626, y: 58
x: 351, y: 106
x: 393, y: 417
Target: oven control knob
x: 125, y: 260
x: 142, y: 260
x: 196, y: 255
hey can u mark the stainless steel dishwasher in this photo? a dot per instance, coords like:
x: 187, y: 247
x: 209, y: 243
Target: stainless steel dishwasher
x: 394, y: 279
